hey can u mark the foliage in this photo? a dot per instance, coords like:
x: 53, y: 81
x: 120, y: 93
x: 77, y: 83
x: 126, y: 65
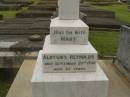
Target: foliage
x: 8, y: 14
x: 4, y: 86
x: 105, y: 42
x: 100, y: 0
x: 12, y: 13
x: 121, y: 10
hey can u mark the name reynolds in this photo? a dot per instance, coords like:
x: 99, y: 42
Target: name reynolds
x: 68, y: 57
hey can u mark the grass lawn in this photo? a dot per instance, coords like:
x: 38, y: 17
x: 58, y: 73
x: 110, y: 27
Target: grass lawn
x: 35, y: 1
x: 8, y: 14
x: 105, y: 42
x: 4, y: 86
x: 12, y: 13
x: 121, y: 11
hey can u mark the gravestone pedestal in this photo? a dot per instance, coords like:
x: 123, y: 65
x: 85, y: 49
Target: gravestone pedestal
x: 81, y: 84
x: 67, y: 66
x: 68, y: 58
x: 68, y: 31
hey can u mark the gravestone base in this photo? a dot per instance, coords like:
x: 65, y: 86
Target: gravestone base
x: 68, y: 58
x: 68, y: 31
x: 86, y: 84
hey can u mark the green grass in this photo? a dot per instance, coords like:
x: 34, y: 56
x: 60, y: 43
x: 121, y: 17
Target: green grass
x: 121, y: 11
x: 8, y: 14
x: 100, y: 0
x: 4, y: 87
x: 11, y: 13
x: 35, y: 1
x: 104, y: 42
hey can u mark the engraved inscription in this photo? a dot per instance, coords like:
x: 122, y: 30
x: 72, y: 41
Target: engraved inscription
x: 69, y: 57
x: 69, y: 62
x: 73, y: 35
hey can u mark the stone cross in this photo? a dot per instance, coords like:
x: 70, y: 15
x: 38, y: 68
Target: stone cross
x: 68, y: 9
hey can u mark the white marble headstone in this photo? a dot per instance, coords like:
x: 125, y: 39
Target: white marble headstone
x: 67, y: 66
x: 68, y: 9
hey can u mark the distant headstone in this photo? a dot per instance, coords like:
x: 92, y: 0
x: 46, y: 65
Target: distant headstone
x: 34, y: 14
x: 42, y: 8
x: 124, y: 1
x: 123, y: 54
x: 22, y: 2
x: 5, y: 7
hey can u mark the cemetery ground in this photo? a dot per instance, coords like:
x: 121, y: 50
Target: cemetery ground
x: 4, y: 87
x: 12, y: 13
x: 119, y: 86
x: 122, y: 14
x: 121, y: 10
x: 104, y: 41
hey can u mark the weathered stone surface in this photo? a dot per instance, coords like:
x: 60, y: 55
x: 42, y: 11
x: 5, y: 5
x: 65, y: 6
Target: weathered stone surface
x: 34, y: 14
x: 83, y: 16
x: 5, y: 7
x: 27, y: 46
x: 22, y: 2
x: 42, y: 8
x: 98, y: 22
x: 35, y: 37
x: 123, y: 54
x: 102, y: 23
x: 85, y: 4
x: 8, y: 59
x: 22, y: 44
x: 25, y: 26
x: 7, y: 44
x: 82, y: 9
x: 98, y: 13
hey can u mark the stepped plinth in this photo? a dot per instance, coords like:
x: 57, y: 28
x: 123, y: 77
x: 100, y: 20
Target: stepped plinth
x: 67, y: 65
